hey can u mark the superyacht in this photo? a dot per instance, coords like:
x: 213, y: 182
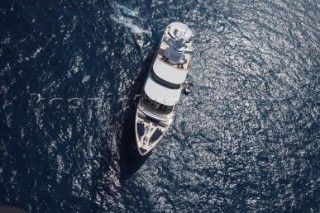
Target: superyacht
x: 162, y: 89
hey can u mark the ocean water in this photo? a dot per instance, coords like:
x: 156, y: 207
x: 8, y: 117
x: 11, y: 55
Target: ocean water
x: 247, y: 139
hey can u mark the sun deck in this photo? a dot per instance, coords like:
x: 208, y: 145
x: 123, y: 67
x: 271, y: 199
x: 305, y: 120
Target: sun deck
x: 164, y: 46
x: 185, y: 65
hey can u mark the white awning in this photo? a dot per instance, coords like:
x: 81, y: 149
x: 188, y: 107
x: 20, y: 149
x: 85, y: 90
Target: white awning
x: 169, y: 73
x: 161, y: 94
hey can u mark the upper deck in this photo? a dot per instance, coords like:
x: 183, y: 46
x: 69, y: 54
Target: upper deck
x: 175, y: 32
x: 170, y: 67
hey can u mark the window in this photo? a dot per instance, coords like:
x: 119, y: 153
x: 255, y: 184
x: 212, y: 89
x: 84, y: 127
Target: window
x: 155, y: 106
x: 163, y: 82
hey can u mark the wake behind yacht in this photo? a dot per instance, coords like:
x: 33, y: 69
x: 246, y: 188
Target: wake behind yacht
x: 162, y: 89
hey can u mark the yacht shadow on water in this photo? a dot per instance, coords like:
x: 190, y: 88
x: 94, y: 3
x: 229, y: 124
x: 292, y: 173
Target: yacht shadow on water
x: 119, y: 157
x: 130, y: 160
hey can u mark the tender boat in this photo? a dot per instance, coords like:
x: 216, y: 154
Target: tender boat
x: 162, y: 89
x: 138, y: 39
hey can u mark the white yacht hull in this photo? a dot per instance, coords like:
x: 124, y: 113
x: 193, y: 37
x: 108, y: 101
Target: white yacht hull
x: 162, y: 89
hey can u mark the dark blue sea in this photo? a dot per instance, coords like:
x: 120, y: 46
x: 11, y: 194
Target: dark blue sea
x: 247, y: 138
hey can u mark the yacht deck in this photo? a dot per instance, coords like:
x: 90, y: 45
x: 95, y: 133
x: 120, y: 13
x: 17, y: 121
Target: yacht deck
x: 164, y: 46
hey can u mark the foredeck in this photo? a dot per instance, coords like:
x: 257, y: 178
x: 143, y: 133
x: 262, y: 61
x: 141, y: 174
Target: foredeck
x: 145, y: 141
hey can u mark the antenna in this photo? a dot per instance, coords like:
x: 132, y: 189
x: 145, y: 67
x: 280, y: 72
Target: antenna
x: 184, y: 35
